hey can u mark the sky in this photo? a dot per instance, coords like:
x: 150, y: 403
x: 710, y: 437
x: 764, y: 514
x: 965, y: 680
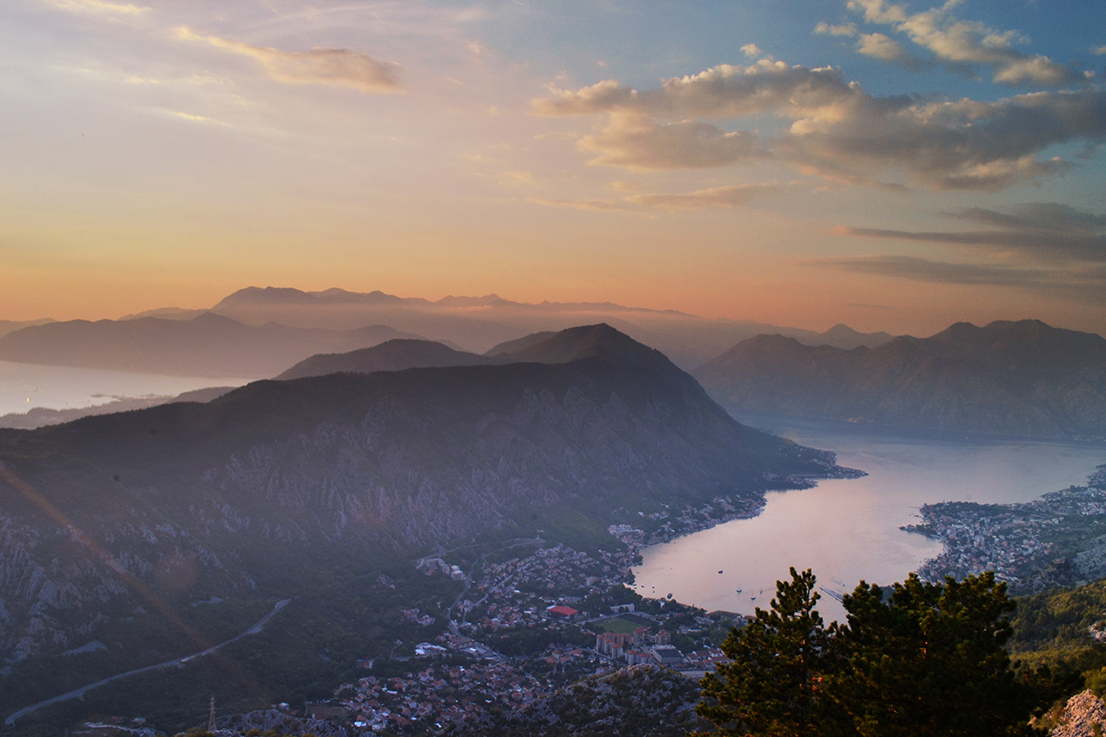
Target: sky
x: 894, y: 166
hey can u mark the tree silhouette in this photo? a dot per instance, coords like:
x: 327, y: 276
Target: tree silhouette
x: 770, y: 684
x: 926, y: 661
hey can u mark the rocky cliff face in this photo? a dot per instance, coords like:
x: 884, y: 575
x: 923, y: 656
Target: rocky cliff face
x: 1083, y: 716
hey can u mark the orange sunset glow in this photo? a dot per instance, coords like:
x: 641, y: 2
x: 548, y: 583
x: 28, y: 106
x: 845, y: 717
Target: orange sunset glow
x: 895, y: 167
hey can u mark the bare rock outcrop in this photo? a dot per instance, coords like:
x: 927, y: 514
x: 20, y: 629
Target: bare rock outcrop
x: 1084, y: 716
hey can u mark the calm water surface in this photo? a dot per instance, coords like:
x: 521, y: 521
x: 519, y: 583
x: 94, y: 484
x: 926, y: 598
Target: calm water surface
x: 24, y: 386
x: 847, y: 530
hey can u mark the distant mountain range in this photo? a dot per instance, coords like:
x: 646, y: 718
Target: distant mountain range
x: 463, y: 323
x: 1008, y: 378
x: 10, y: 326
x: 479, y: 323
x: 208, y: 345
x: 269, y: 485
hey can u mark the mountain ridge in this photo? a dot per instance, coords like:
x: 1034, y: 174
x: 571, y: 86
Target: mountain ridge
x: 1007, y: 378
x: 281, y: 480
x: 208, y: 345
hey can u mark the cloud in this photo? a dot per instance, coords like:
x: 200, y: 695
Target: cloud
x: 195, y: 118
x: 885, y: 48
x: 318, y: 66
x: 1100, y: 51
x: 939, y: 272
x: 962, y: 45
x: 97, y: 6
x: 751, y: 50
x: 1042, y: 231
x: 1039, y: 216
x: 846, y: 29
x: 719, y: 92
x: 727, y: 197
x: 518, y: 178
x: 1080, y: 284
x: 837, y: 130
x: 638, y: 142
x: 962, y: 144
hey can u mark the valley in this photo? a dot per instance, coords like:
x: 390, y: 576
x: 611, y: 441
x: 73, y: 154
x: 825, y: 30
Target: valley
x: 454, y: 539
x: 118, y: 528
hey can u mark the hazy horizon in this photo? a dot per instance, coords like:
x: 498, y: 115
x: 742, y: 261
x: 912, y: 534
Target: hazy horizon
x: 894, y: 166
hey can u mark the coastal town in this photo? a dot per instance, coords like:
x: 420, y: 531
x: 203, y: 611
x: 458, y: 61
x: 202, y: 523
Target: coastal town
x: 1053, y: 540
x: 524, y: 626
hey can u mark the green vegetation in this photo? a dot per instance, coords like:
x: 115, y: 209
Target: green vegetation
x: 615, y: 624
x: 928, y: 660
x: 303, y: 653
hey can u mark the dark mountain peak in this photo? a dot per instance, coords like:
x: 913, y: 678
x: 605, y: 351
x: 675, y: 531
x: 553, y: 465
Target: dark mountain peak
x: 958, y: 332
x: 1031, y: 326
x: 772, y: 339
x: 211, y: 319
x: 1010, y: 338
x: 765, y: 343
x: 392, y: 355
x: 607, y: 345
x: 589, y: 341
x: 514, y: 346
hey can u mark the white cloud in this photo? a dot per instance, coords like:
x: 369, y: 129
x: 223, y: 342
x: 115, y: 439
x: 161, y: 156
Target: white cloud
x: 885, y: 48
x: 752, y: 51
x: 845, y: 29
x: 518, y: 178
x: 97, y: 6
x: 720, y: 92
x: 727, y: 197
x: 963, y: 144
x: 837, y: 130
x: 317, y: 66
x: 962, y: 45
x: 636, y: 141
x: 723, y: 197
x: 1100, y: 51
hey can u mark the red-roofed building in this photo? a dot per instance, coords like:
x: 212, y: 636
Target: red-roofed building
x: 563, y: 611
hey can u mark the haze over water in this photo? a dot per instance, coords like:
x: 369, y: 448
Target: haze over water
x: 24, y: 386
x: 848, y: 529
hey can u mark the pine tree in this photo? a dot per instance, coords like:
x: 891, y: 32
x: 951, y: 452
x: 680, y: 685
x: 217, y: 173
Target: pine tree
x: 770, y: 685
x: 930, y: 661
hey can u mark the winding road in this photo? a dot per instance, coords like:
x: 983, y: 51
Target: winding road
x: 10, y: 721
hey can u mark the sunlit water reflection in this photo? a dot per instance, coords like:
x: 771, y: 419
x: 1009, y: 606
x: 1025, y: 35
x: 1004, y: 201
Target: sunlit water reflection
x: 24, y: 386
x: 848, y: 530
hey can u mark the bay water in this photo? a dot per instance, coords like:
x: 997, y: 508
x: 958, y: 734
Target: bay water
x: 24, y: 386
x: 847, y: 530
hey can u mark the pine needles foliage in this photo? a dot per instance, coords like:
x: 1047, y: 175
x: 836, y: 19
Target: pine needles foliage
x: 927, y: 660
